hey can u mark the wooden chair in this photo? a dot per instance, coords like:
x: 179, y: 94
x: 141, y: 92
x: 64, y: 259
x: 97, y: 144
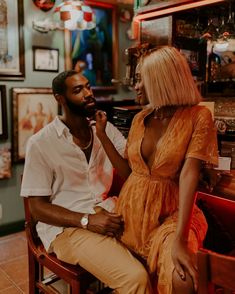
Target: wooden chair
x: 77, y: 278
x: 215, y: 271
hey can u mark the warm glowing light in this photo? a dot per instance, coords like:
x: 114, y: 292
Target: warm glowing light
x: 74, y: 15
x: 160, y: 12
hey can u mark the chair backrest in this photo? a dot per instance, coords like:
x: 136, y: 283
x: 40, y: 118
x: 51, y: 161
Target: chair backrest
x: 30, y: 227
x: 220, y: 215
x: 215, y: 270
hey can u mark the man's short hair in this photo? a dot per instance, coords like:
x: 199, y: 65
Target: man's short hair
x: 58, y: 83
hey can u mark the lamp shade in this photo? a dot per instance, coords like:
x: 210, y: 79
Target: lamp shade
x: 74, y: 15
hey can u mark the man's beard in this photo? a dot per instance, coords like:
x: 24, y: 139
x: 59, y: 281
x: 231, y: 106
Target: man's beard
x: 82, y: 109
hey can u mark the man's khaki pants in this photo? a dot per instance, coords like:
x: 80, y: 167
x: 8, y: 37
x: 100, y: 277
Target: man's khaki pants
x: 105, y: 258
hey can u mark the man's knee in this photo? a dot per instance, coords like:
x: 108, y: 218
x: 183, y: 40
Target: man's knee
x: 138, y: 276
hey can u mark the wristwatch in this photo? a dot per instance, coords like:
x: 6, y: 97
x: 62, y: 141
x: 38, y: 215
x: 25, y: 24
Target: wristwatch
x: 84, y: 220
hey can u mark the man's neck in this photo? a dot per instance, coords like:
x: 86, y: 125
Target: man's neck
x: 76, y: 124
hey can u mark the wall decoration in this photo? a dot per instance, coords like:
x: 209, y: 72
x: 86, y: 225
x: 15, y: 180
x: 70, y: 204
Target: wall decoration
x: 3, y: 113
x: 45, y: 59
x: 44, y: 5
x: 194, y: 51
x: 5, y: 161
x: 11, y: 40
x: 33, y: 108
x: 97, y: 48
x: 125, y: 15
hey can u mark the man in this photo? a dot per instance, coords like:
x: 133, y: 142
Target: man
x: 67, y: 176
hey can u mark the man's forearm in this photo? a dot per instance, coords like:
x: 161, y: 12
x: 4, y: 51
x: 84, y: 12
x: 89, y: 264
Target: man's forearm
x: 52, y: 214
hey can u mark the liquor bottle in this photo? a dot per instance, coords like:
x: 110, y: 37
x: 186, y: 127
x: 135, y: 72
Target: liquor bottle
x: 214, y: 64
x: 3, y: 31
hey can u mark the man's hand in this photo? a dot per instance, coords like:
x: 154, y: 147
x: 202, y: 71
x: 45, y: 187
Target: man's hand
x: 184, y: 262
x: 106, y: 223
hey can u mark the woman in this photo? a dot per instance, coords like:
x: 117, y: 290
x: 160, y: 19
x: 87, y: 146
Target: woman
x: 167, y: 142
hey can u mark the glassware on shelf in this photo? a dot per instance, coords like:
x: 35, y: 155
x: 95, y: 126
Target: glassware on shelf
x: 214, y: 65
x: 198, y: 28
x: 210, y: 31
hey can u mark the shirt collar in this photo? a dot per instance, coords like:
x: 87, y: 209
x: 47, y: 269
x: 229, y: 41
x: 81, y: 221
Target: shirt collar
x: 60, y: 127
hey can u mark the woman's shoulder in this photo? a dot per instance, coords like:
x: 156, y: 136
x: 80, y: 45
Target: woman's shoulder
x: 201, y: 111
x: 200, y: 115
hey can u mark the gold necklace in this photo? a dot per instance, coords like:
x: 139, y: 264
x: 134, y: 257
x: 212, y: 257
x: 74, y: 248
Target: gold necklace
x: 89, y: 143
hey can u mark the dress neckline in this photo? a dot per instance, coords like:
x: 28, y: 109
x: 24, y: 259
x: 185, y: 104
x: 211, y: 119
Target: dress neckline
x: 160, y: 141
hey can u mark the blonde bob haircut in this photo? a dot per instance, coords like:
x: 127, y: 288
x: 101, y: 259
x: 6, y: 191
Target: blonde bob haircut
x: 167, y: 78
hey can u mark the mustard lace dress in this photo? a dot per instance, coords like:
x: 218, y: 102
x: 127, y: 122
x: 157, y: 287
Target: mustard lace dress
x: 149, y: 198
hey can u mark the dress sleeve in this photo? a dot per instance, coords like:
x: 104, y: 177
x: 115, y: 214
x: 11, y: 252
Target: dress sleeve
x: 203, y: 144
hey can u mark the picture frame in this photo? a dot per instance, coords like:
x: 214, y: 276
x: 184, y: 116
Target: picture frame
x: 12, y: 60
x: 195, y: 51
x: 32, y: 108
x: 3, y: 113
x: 5, y: 162
x: 96, y: 49
x: 45, y: 59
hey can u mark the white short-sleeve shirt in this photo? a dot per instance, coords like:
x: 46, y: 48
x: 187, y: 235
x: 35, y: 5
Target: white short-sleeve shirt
x: 55, y: 166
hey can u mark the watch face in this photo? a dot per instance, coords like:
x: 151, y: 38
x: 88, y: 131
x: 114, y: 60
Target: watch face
x: 44, y: 5
x: 84, y: 220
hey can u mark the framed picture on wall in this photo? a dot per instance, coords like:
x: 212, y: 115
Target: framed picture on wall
x: 94, y: 52
x: 33, y: 108
x: 45, y: 59
x: 5, y: 161
x: 12, y: 41
x: 3, y: 113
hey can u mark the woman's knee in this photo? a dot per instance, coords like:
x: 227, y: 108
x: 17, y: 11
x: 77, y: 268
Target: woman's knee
x: 182, y: 286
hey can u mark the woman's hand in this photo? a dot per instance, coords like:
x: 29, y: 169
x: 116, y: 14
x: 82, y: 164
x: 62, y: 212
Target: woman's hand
x: 209, y: 178
x: 184, y: 261
x: 101, y: 121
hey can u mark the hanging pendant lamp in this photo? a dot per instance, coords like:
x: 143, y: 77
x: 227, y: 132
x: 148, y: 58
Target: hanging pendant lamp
x: 71, y: 15
x: 74, y: 15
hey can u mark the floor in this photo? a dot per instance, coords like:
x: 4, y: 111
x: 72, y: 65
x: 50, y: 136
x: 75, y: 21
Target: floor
x: 14, y: 265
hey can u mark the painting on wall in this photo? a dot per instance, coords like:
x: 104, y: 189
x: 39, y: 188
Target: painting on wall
x: 3, y: 113
x: 33, y: 108
x: 5, y: 162
x: 11, y: 40
x: 94, y: 52
x: 45, y: 59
